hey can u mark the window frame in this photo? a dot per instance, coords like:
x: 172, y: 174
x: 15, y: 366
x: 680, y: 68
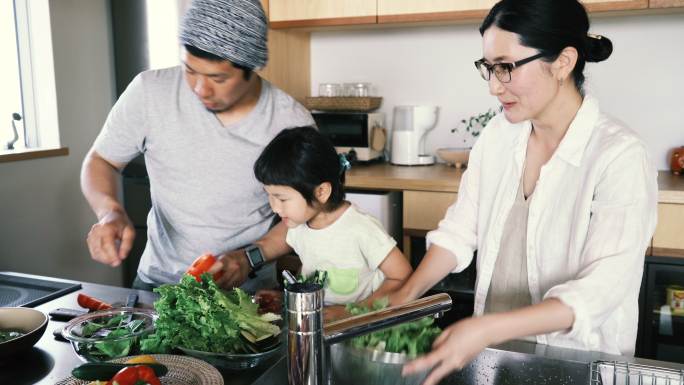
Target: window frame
x: 37, y: 79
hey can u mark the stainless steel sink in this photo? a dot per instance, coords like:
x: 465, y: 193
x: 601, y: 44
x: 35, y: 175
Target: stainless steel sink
x: 517, y: 363
x: 493, y: 366
x: 17, y: 289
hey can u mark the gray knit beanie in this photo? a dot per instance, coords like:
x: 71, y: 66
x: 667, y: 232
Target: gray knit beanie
x: 235, y: 30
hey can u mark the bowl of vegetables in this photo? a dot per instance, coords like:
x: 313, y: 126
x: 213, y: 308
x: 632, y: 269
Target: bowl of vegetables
x: 107, y: 334
x: 378, y: 357
x: 224, y: 328
x: 20, y: 329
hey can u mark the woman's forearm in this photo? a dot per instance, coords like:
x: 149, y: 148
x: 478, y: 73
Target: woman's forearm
x: 437, y: 264
x: 550, y: 315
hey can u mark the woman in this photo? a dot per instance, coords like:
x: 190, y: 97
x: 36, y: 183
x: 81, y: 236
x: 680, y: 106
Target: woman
x: 559, y: 200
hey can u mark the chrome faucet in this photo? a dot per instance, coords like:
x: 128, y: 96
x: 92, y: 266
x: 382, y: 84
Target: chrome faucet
x: 308, y: 344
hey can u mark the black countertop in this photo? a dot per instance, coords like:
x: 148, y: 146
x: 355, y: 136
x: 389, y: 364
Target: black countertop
x: 51, y: 360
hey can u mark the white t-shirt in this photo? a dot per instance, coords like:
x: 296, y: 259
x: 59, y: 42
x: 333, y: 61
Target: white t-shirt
x: 590, y: 221
x: 350, y: 250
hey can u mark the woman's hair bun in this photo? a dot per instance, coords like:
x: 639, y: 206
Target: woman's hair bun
x: 597, y: 48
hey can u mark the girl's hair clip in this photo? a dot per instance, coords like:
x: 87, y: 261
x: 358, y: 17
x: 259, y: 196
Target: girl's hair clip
x: 344, y: 163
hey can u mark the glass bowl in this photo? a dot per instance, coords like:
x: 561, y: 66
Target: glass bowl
x: 235, y: 361
x: 106, y: 334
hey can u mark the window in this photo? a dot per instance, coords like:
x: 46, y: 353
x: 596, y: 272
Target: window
x: 162, y: 33
x: 10, y: 93
x: 27, y: 98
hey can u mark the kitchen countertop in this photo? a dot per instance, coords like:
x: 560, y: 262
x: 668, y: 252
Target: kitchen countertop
x: 50, y: 360
x: 443, y: 178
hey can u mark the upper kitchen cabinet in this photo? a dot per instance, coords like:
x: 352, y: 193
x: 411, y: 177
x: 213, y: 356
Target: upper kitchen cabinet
x: 289, y: 60
x: 614, y: 5
x: 665, y: 3
x: 409, y: 11
x: 320, y: 13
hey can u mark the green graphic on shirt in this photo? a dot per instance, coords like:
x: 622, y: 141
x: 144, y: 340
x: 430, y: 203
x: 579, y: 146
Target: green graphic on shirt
x: 343, y: 281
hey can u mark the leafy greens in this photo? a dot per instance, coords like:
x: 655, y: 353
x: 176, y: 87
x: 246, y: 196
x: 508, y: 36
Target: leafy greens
x: 411, y: 338
x: 201, y: 316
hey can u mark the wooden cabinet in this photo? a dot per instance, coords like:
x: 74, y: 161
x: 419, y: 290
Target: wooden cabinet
x: 307, y: 13
x: 665, y: 3
x: 422, y: 211
x: 400, y: 11
x: 321, y: 13
x: 668, y: 239
x: 614, y: 5
x: 289, y: 62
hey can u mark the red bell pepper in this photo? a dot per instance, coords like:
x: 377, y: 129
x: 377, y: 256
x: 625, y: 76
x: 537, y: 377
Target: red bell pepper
x: 91, y: 303
x: 201, y: 265
x: 135, y: 375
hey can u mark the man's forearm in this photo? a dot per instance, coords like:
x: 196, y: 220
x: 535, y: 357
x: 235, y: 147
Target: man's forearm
x: 273, y: 244
x: 99, y: 184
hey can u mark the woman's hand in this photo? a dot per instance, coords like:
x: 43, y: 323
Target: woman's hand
x: 453, y: 349
x: 334, y: 313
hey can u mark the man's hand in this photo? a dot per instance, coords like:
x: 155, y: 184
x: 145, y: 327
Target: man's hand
x: 235, y: 268
x: 110, y: 240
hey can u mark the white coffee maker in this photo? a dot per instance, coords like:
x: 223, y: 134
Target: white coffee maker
x: 410, y: 127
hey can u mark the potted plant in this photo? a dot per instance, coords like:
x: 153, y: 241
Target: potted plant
x: 469, y: 129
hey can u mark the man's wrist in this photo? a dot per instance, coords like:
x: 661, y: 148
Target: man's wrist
x: 255, y: 258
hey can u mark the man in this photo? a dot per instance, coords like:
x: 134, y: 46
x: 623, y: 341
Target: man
x: 200, y: 126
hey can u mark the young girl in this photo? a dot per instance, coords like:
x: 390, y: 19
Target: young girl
x: 304, y: 178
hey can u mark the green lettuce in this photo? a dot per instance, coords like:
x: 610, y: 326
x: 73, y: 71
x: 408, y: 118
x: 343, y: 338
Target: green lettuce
x: 201, y: 316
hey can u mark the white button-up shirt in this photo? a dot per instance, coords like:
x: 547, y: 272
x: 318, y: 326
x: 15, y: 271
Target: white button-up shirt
x: 591, y: 219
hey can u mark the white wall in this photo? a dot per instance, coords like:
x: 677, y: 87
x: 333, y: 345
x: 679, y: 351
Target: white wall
x: 45, y: 218
x: 640, y: 84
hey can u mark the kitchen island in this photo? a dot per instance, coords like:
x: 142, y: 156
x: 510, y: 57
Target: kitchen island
x: 51, y: 360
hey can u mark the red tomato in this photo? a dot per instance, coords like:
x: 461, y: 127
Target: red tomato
x: 91, y: 303
x: 201, y: 265
x: 135, y: 374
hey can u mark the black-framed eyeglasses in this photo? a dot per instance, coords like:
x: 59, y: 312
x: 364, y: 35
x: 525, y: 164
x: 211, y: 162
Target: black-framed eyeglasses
x: 502, y: 71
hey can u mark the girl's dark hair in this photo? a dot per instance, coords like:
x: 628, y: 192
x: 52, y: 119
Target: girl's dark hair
x: 200, y: 53
x: 550, y: 26
x: 302, y: 158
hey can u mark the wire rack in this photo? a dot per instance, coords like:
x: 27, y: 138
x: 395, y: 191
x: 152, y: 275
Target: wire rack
x: 624, y: 373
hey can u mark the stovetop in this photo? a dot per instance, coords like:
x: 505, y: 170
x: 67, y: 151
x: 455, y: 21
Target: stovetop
x: 26, y: 290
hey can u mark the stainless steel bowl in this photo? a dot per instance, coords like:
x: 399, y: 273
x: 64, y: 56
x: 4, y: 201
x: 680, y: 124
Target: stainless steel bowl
x: 352, y: 365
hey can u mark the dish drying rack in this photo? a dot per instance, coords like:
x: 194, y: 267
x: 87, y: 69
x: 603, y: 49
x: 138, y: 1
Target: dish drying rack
x: 625, y: 373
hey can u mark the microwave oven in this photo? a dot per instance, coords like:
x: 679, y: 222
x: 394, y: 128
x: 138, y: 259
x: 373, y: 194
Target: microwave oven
x: 361, y: 135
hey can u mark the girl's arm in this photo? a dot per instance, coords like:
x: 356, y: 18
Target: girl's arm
x: 396, y: 269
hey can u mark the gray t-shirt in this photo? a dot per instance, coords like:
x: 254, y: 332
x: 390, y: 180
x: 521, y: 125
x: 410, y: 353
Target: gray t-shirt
x: 205, y: 197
